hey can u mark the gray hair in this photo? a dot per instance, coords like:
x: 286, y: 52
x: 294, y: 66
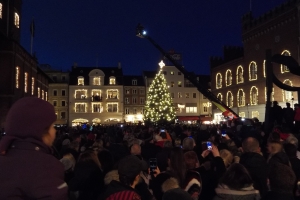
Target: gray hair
x: 188, y: 144
x: 292, y: 140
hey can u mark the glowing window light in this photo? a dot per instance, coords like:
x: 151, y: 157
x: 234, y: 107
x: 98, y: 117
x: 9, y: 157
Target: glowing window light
x: 241, y: 98
x: 80, y: 107
x: 97, y: 108
x: 253, y: 95
x: 25, y: 82
x: 80, y: 94
x: 239, y: 74
x: 219, y: 80
x: 46, y: 96
x: 96, y: 81
x: 264, y: 68
x: 112, y: 94
x: 252, y: 71
x: 17, y: 76
x: 228, y: 77
x: 287, y: 95
x: 112, y: 81
x: 17, y: 20
x: 43, y: 95
x: 32, y: 86
x: 242, y: 114
x: 112, y: 107
x: 39, y: 92
x: 284, y: 68
x: 255, y: 114
x: 80, y: 80
x: 229, y: 99
x: 220, y: 97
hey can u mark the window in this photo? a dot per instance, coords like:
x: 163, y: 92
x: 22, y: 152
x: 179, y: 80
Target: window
x: 112, y: 94
x: 62, y: 115
x: 172, y: 95
x: 127, y: 91
x: 142, y: 100
x: 1, y: 10
x: 191, y: 109
x: 112, y: 107
x: 54, y: 92
x: 134, y: 91
x: 287, y: 95
x: 134, y: 111
x: 240, y: 75
x: 187, y: 95
x: 96, y: 81
x: 17, y: 20
x: 63, y: 103
x: 142, y: 91
x: 43, y: 94
x: 241, y: 98
x: 205, y: 109
x: 228, y: 78
x: 179, y: 95
x: 134, y: 82
x: 252, y: 71
x: 242, y: 114
x: 172, y: 83
x: 218, y: 81
x: 126, y: 100
x: 112, y: 81
x: 220, y: 97
x: 17, y: 76
x: 97, y: 108
x: 54, y: 103
x: 172, y: 73
x: 63, y: 92
x: 80, y: 94
x: 179, y: 83
x: 32, y: 86
x: 39, y: 92
x: 46, y: 96
x: 253, y: 95
x: 133, y: 100
x: 255, y: 114
x: 80, y: 80
x: 80, y: 107
x: 229, y: 99
x: 127, y: 111
x: 63, y: 78
x: 284, y: 68
x: 194, y: 95
x: 25, y: 82
x: 54, y: 77
x: 179, y: 73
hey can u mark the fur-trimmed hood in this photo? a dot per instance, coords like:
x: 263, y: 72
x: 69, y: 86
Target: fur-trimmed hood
x: 247, y: 193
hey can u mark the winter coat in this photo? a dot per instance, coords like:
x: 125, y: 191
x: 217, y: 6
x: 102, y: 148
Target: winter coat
x: 247, y: 193
x: 29, y: 171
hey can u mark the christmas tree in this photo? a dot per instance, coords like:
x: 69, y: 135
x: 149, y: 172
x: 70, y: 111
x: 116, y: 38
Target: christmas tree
x: 159, y: 105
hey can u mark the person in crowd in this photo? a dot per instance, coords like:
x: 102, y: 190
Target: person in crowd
x: 162, y: 157
x: 288, y: 117
x: 88, y: 177
x: 129, y: 169
x: 236, y: 183
x: 297, y: 118
x: 135, y: 149
x: 291, y: 139
x: 172, y: 191
x: 69, y: 164
x: 110, y: 176
x: 28, y: 170
x: 291, y: 152
x: 276, y: 114
x: 188, y: 144
x: 255, y: 163
x: 107, y: 161
x: 227, y: 157
x: 281, y: 182
x: 274, y: 147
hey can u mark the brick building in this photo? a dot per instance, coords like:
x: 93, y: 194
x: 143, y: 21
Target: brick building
x: 238, y: 78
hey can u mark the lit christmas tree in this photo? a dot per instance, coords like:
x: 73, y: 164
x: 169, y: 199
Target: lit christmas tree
x: 159, y: 105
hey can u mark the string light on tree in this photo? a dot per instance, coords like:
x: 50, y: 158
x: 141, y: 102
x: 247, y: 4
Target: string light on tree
x: 159, y: 106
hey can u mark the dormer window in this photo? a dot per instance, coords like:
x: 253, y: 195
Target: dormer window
x: 134, y: 82
x: 96, y: 81
x: 17, y: 20
x: 80, y: 80
x: 112, y: 81
x: 284, y: 68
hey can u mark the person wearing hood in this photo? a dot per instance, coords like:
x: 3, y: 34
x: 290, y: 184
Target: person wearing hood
x: 28, y: 170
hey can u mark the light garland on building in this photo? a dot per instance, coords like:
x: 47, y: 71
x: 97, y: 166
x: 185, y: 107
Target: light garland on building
x: 253, y: 95
x: 252, y: 71
x: 228, y: 77
x: 241, y: 94
x: 287, y: 95
x: 239, y: 74
x: 32, y: 86
x: 17, y: 76
x: 25, y: 82
x: 284, y: 68
x: 219, y: 80
x: 229, y: 99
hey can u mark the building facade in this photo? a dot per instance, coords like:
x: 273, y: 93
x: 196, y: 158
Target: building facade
x: 96, y: 95
x: 239, y: 77
x: 134, y: 99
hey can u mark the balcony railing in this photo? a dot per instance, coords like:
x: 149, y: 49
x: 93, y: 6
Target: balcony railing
x: 96, y: 98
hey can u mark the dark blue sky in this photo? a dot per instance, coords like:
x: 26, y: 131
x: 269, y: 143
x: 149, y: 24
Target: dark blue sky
x: 68, y: 31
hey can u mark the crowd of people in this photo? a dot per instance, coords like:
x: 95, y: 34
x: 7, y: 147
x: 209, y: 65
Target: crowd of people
x: 233, y: 160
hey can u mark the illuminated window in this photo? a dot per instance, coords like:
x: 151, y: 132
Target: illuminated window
x: 97, y: 108
x: 241, y: 98
x: 80, y: 107
x: 220, y: 97
x: 264, y: 68
x: 242, y: 114
x: 191, y: 109
x: 255, y: 114
x: 127, y: 111
x: 112, y: 107
x: 172, y: 73
x: 218, y: 81
x: 32, y: 86
x: 272, y: 94
x: 179, y: 83
x: 229, y: 99
x: 187, y: 95
x: 253, y: 95
x: 17, y: 20
x: 80, y: 80
x: 43, y: 95
x: 126, y: 100
x: 96, y: 81
x: 179, y: 95
x: 228, y: 77
x: 25, y: 82
x: 133, y: 100
x: 112, y: 81
x: 96, y: 95
x: 39, y: 92
x: 240, y: 75
x: 252, y: 71
x: 134, y: 82
x: 205, y: 109
x: 172, y: 83
x: 284, y: 68
x: 46, y: 96
x: 17, y: 77
x: 80, y: 94
x: 287, y: 95
x: 112, y: 94
x: 1, y: 9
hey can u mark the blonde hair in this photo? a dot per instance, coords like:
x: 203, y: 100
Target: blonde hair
x: 226, y: 156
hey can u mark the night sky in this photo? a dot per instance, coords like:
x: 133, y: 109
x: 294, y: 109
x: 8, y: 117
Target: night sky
x: 102, y: 32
